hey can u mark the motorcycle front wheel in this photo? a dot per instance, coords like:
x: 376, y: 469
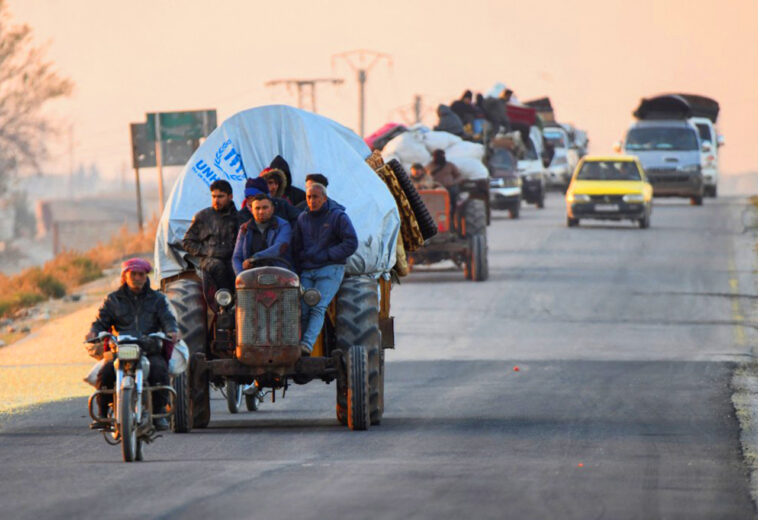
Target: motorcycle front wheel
x: 130, y: 444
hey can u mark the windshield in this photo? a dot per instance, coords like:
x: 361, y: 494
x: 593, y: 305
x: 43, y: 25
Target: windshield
x: 609, y: 171
x: 705, y: 132
x: 501, y: 161
x: 557, y: 139
x: 661, y: 139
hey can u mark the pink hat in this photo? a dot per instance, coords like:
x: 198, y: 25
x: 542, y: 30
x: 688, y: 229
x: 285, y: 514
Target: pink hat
x: 136, y: 264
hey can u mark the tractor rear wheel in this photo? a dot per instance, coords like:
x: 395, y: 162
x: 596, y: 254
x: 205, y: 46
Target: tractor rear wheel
x: 358, y: 324
x: 186, y: 297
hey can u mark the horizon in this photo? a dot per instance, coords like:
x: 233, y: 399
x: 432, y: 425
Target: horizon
x: 146, y: 62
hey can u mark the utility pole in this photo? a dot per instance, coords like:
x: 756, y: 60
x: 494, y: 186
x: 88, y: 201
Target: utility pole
x: 413, y: 112
x: 362, y: 61
x: 304, y: 85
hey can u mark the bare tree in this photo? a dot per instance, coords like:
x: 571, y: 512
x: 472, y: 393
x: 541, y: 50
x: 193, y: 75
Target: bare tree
x: 27, y: 82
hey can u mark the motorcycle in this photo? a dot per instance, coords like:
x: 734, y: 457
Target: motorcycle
x: 129, y: 420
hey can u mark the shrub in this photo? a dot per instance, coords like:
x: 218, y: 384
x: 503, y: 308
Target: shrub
x: 71, y: 269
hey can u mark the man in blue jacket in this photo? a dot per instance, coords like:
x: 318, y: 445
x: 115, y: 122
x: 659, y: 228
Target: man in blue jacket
x: 322, y: 241
x: 264, y: 236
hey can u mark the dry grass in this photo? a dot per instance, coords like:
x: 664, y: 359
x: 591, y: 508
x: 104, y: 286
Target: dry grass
x: 71, y: 269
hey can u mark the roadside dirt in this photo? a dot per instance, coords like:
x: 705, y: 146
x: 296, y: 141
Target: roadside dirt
x: 49, y: 363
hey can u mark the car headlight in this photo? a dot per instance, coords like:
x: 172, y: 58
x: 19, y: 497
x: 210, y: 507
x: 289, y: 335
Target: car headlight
x: 577, y: 197
x: 497, y: 182
x: 223, y: 297
x: 636, y: 198
x: 691, y: 168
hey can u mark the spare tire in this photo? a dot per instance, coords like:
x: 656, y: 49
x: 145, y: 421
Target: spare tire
x: 425, y: 221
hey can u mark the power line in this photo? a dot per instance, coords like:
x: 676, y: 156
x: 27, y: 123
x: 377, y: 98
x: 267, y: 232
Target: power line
x: 362, y: 61
x: 304, y: 85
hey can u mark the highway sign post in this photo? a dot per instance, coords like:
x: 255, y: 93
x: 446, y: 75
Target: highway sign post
x: 167, y: 139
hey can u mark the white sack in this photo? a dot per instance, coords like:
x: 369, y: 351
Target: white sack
x: 179, y: 361
x: 408, y: 147
x: 440, y: 140
x: 470, y: 168
x: 91, y: 378
x: 465, y: 149
x: 246, y: 143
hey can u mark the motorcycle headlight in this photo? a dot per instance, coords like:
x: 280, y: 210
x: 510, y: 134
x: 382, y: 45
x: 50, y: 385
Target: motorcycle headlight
x: 128, y: 352
x: 223, y: 297
x: 577, y: 197
x: 635, y: 198
x: 691, y: 168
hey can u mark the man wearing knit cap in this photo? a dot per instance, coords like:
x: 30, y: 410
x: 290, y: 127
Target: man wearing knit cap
x: 322, y: 241
x: 137, y: 310
x: 282, y: 208
x: 212, y: 235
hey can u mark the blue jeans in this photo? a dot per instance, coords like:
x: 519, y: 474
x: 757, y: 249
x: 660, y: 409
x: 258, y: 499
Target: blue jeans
x: 325, y: 280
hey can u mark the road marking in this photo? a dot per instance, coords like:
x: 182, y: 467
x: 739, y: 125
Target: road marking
x: 734, y: 288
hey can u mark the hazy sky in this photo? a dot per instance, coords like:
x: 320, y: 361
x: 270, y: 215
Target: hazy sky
x: 594, y: 58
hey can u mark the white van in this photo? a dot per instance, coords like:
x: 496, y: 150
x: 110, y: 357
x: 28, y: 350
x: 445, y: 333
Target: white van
x: 710, y: 142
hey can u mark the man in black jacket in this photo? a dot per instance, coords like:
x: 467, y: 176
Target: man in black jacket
x: 136, y: 310
x: 212, y: 235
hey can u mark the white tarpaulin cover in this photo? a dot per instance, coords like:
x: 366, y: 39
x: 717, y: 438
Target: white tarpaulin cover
x: 246, y: 143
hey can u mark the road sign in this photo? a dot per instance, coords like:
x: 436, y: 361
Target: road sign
x: 176, y: 152
x: 181, y: 125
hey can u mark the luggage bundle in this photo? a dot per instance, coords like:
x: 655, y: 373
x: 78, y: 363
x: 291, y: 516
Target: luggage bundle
x: 416, y: 224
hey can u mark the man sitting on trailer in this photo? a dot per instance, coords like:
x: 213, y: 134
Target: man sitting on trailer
x: 212, y: 235
x: 322, y: 241
x: 136, y: 310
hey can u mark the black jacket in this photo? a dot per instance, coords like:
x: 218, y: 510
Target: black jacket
x: 212, y: 233
x: 496, y: 113
x: 135, y: 314
x: 295, y: 195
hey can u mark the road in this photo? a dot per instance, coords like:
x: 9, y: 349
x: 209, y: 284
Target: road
x: 588, y: 378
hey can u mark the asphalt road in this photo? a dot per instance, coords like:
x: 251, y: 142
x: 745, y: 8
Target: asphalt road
x: 625, y: 342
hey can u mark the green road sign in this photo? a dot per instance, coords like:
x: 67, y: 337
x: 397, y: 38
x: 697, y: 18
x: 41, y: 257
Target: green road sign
x: 181, y: 125
x: 181, y: 132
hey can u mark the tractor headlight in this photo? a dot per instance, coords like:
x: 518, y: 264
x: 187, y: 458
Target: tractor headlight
x: 311, y: 297
x: 223, y: 297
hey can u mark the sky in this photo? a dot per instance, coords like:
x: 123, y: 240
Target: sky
x: 594, y: 58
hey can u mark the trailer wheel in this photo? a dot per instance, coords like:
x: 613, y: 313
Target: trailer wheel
x: 358, y: 324
x: 358, y: 414
x: 186, y: 298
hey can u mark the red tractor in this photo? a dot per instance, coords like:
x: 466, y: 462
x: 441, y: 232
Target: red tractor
x: 462, y: 233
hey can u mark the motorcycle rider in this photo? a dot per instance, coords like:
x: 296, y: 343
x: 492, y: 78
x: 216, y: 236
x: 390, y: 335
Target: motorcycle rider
x: 136, y: 310
x: 212, y: 234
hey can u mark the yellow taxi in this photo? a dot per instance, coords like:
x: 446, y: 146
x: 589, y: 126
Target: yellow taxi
x: 610, y: 187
